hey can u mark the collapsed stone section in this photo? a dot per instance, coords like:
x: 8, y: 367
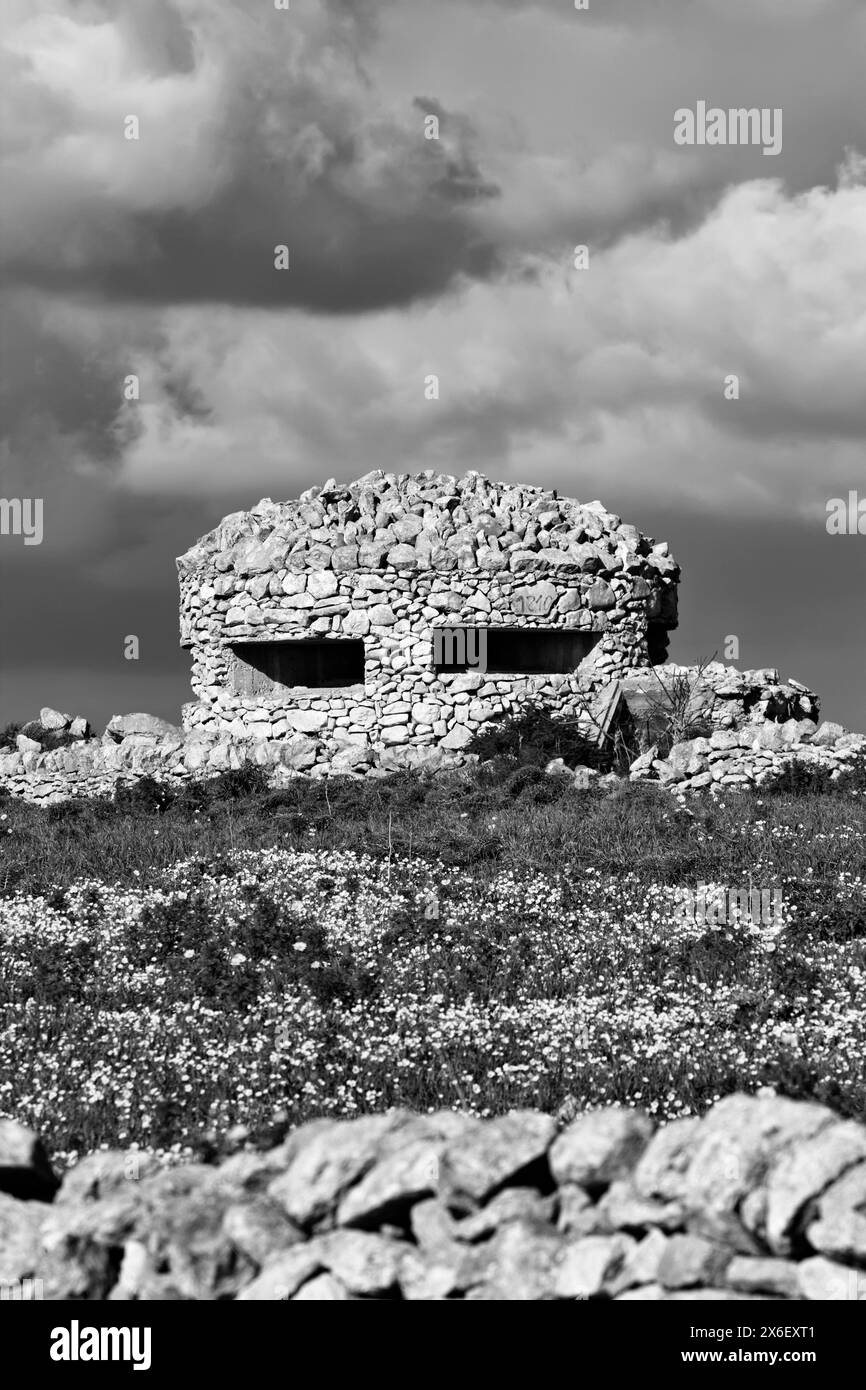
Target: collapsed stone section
x: 720, y: 696
x: 392, y: 562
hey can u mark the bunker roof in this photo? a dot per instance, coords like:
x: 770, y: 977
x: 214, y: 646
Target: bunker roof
x: 424, y: 521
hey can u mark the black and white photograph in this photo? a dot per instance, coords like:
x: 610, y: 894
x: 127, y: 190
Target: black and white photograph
x: 433, y: 669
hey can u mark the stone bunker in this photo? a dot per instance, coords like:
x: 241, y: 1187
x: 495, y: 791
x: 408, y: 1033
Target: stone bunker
x: 379, y: 626
x: 400, y: 613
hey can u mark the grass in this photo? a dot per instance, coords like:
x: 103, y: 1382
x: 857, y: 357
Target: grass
x: 179, y: 961
x: 498, y: 816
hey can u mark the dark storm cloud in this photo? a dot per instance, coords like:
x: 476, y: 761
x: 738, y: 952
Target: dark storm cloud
x: 345, y: 256
x: 256, y: 130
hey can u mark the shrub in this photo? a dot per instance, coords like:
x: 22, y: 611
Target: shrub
x: 48, y: 739
x: 147, y: 796
x: 675, y: 710
x: 52, y: 739
x: 813, y: 779
x: 237, y: 784
x: 536, y: 736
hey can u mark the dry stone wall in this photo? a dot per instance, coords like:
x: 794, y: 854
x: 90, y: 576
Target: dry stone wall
x: 762, y: 1199
x: 748, y: 756
x: 141, y: 745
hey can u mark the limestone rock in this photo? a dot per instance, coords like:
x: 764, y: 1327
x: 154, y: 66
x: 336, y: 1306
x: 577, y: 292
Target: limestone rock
x: 519, y: 1264
x: 328, y: 1161
x: 20, y: 1239
x: 804, y: 1173
x: 511, y: 1204
x: 321, y: 584
x: 534, y: 599
x: 458, y: 737
x: 643, y: 765
x: 661, y: 1170
x: 840, y: 1229
x: 737, y: 1143
x: 364, y: 1263
x: 393, y: 1184
x: 601, y: 596
x: 53, y: 720
x: 755, y: 1275
x: 120, y: 726
x: 689, y: 1261
x: 622, y: 1206
x: 323, y: 1289
x: 600, y: 1146
x: 307, y: 721
x: 381, y: 615
x: 476, y: 1164
x: 589, y: 1264
x: 283, y: 1276
x: 828, y: 734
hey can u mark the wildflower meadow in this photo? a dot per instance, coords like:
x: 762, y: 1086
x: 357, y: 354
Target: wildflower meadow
x: 183, y: 964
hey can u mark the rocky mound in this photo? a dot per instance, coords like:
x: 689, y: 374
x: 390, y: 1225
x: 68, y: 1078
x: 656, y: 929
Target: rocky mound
x: 720, y: 695
x: 53, y: 729
x: 760, y: 1199
x: 429, y: 521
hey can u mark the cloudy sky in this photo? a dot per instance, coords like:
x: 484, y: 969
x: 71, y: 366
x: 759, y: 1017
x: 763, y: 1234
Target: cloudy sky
x: 258, y: 127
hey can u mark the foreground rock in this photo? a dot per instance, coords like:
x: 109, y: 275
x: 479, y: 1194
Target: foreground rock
x: 761, y: 1199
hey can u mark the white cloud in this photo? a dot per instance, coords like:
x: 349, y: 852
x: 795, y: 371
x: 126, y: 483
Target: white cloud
x: 611, y: 376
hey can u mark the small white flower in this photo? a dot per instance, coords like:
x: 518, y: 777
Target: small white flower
x: 300, y: 946
x: 238, y: 958
x: 188, y: 955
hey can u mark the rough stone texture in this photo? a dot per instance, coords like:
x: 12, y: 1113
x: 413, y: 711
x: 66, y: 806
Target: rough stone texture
x: 758, y: 728
x: 600, y: 1146
x: 725, y: 697
x: 476, y: 1164
x: 389, y: 558
x: 840, y: 1230
x: 422, y: 735
x: 20, y: 1228
x: 121, y: 726
x: 448, y: 1206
